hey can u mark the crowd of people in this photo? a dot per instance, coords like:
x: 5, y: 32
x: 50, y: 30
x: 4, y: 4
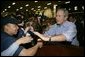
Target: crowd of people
x: 15, y: 30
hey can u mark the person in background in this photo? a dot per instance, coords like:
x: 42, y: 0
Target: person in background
x: 28, y: 26
x: 79, y: 26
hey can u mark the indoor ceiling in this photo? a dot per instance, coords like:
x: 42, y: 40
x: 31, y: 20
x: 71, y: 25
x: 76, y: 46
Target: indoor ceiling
x: 34, y: 6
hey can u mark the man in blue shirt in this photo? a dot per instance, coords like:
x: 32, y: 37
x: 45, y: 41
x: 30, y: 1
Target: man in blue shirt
x: 10, y: 46
x: 63, y: 30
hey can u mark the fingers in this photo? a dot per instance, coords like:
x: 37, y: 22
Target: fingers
x: 39, y: 40
x: 29, y: 38
x: 27, y: 34
x: 26, y: 39
x: 40, y: 44
x: 36, y: 33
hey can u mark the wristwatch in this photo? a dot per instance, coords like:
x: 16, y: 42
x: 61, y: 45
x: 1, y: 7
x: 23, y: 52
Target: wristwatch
x: 49, y: 39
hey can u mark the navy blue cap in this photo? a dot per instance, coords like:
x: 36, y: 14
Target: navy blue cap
x: 7, y: 20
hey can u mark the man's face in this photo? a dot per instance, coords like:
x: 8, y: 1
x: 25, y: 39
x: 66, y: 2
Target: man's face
x: 12, y: 28
x: 60, y: 17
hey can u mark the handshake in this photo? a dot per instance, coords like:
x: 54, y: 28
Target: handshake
x: 29, y: 40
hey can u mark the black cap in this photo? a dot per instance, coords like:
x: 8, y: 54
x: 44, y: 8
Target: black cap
x: 7, y: 20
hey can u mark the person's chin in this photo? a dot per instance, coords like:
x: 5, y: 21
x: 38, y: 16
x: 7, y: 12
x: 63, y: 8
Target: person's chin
x: 15, y: 32
x: 58, y: 23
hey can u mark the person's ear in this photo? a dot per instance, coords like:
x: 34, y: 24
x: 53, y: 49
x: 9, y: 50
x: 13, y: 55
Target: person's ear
x: 6, y: 26
x: 66, y: 17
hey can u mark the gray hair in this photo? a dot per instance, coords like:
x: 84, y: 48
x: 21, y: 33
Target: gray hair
x: 64, y: 10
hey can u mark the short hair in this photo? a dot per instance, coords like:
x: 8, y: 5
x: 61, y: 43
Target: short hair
x: 64, y: 10
x: 6, y: 20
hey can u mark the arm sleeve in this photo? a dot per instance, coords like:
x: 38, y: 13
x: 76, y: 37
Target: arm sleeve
x: 50, y: 32
x: 70, y: 33
x: 18, y: 51
x: 10, y: 51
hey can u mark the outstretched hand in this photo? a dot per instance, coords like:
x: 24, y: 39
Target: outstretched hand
x: 45, y: 38
x: 24, y: 40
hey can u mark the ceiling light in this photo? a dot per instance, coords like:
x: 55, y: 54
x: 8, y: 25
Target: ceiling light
x: 45, y: 7
x: 69, y: 8
x: 75, y: 8
x: 21, y: 7
x: 32, y: 8
x: 67, y: 2
x: 38, y: 9
x: 9, y: 6
x: 36, y: 1
x: 83, y: 7
x: 26, y: 9
x: 13, y: 3
x: 27, y: 5
x: 59, y: 1
x: 49, y: 4
x: 17, y: 9
x: 5, y: 9
x: 39, y: 6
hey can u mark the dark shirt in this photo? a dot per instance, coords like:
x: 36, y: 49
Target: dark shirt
x: 7, y: 41
x: 20, y: 33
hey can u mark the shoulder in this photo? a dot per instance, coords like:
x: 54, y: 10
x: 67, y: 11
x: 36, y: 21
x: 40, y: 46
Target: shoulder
x: 69, y: 24
x: 6, y: 36
x: 54, y: 25
x: 6, y: 41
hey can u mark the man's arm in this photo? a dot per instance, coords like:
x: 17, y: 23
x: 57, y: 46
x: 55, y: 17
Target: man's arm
x: 31, y: 51
x: 64, y: 36
x: 10, y: 51
x: 60, y: 37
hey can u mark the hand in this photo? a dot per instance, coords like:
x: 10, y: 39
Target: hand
x: 24, y: 40
x: 45, y: 38
x: 31, y: 28
x: 26, y: 29
x: 40, y: 44
x: 39, y: 40
x: 35, y: 32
